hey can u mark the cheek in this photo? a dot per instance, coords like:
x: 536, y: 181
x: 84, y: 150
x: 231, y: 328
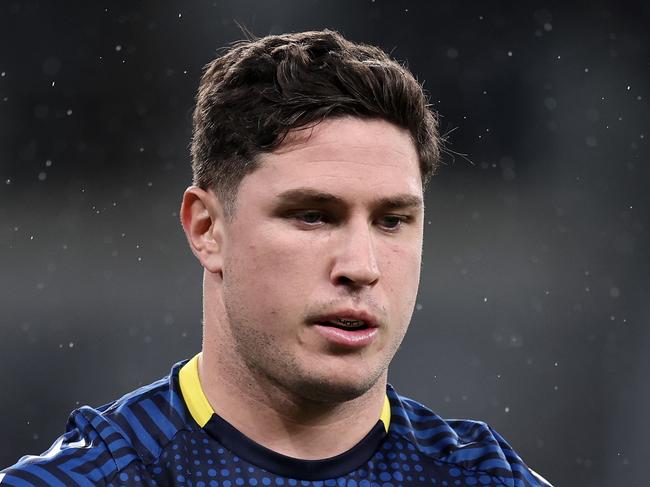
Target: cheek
x: 402, y: 278
x: 402, y: 265
x: 272, y: 271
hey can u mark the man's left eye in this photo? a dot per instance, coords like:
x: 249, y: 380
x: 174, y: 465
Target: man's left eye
x: 391, y: 222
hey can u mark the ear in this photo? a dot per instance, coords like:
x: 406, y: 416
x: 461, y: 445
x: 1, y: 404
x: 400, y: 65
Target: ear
x: 202, y: 217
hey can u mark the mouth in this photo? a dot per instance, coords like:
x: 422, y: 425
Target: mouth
x: 347, y: 330
x: 345, y: 324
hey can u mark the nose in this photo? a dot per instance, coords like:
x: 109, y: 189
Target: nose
x: 355, y: 259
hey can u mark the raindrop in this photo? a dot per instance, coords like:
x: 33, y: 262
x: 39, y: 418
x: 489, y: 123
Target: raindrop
x: 69, y: 112
x: 118, y: 48
x: 550, y: 103
x: 42, y: 176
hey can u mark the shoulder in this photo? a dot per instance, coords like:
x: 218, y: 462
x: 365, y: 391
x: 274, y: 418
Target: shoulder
x: 115, y: 441
x: 465, y: 444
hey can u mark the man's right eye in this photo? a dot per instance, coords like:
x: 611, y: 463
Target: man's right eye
x: 310, y: 217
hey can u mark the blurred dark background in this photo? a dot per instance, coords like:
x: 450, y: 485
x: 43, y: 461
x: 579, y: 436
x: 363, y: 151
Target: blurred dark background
x: 532, y: 313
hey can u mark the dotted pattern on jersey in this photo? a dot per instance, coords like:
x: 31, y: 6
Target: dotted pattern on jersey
x: 200, y: 462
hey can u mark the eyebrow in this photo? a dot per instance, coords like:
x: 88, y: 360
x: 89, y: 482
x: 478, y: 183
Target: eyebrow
x: 312, y: 196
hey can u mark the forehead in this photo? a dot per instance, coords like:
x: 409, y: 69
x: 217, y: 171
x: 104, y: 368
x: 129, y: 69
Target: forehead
x: 347, y: 156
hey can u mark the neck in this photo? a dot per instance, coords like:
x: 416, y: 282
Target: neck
x: 271, y: 416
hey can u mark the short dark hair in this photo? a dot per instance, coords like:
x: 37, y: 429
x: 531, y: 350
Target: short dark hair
x: 260, y: 89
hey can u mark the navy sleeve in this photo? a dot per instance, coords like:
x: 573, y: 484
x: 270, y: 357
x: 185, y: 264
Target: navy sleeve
x: 91, y: 452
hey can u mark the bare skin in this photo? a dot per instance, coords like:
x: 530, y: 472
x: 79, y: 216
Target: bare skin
x: 329, y: 225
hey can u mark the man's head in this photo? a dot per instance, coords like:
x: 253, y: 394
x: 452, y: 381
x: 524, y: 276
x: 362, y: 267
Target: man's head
x: 255, y: 93
x: 311, y: 278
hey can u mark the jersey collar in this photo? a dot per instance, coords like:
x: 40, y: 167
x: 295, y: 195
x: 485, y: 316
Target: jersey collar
x: 200, y: 408
x: 244, y: 447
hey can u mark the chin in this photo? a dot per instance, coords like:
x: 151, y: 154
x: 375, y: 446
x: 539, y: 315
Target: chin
x: 329, y: 389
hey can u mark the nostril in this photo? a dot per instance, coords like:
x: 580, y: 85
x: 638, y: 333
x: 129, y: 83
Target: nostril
x: 346, y: 281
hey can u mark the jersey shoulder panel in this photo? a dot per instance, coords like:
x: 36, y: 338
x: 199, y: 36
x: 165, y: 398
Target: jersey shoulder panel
x: 100, y: 444
x: 467, y: 444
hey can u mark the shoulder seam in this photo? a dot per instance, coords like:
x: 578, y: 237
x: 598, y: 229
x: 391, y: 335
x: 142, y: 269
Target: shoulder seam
x: 496, y: 477
x: 145, y: 464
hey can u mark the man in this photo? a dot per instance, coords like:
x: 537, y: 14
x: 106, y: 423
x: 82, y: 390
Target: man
x: 310, y: 155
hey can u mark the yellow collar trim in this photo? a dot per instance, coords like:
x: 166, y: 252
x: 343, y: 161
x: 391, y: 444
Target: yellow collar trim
x: 200, y: 408
x: 385, y: 413
x: 192, y: 391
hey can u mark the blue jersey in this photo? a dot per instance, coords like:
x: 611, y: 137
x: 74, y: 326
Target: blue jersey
x: 166, y: 433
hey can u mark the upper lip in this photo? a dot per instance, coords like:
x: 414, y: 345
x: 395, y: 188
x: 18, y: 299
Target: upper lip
x: 349, y: 314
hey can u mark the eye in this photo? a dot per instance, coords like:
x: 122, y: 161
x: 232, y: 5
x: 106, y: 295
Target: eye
x: 310, y: 217
x: 392, y: 222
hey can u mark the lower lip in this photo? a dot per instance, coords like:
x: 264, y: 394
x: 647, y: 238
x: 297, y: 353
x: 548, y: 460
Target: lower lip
x: 347, y: 338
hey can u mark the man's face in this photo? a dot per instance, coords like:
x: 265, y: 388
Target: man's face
x: 321, y: 261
